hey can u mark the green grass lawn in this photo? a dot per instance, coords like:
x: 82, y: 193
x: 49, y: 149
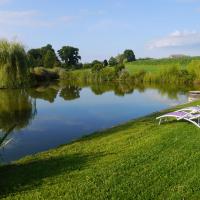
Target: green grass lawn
x: 154, y: 66
x: 135, y: 67
x: 137, y: 160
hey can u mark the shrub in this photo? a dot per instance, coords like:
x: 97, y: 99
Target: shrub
x: 43, y: 74
x: 97, y: 67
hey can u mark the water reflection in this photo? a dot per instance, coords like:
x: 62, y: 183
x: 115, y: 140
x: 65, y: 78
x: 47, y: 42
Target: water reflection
x: 45, y: 92
x: 17, y: 110
x: 70, y: 92
x: 57, y: 117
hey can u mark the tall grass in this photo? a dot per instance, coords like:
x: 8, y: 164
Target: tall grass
x: 14, y: 72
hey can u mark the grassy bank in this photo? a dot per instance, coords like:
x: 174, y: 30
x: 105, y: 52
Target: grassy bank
x: 156, y: 65
x: 169, y: 70
x: 137, y: 160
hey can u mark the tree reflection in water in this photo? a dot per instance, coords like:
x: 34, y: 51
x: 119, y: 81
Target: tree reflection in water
x: 17, y: 110
x: 70, y: 92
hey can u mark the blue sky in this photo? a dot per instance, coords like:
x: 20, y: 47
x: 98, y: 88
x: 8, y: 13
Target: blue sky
x: 102, y: 28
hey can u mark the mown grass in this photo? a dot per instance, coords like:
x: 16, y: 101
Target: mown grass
x: 137, y: 160
x: 156, y: 65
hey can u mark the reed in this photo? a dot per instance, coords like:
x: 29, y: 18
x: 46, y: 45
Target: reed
x: 14, y: 72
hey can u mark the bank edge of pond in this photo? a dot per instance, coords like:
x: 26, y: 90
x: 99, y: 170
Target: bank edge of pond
x: 138, y: 159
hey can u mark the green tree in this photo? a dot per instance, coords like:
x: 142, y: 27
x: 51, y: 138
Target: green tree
x: 35, y: 57
x: 49, y: 59
x: 43, y: 57
x: 69, y: 55
x: 129, y: 55
x: 112, y: 61
x: 96, y: 62
x: 105, y: 63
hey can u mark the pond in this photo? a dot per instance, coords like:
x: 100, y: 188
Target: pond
x: 45, y: 117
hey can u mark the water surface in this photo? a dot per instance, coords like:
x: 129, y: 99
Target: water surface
x: 45, y: 117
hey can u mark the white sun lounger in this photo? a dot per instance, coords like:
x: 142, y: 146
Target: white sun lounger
x: 182, y: 115
x: 191, y: 109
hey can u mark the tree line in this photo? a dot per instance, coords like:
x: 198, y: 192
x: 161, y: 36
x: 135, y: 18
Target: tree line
x: 68, y: 57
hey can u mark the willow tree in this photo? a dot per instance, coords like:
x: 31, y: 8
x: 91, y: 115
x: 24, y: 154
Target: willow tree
x: 14, y: 72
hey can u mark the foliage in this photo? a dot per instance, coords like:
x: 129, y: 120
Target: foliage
x: 120, y: 58
x: 97, y: 67
x: 49, y: 59
x: 107, y: 74
x: 14, y: 72
x: 42, y: 74
x: 87, y: 65
x: 105, y: 63
x: 70, y: 92
x: 35, y: 57
x: 137, y: 160
x: 194, y: 69
x: 44, y: 57
x: 96, y: 62
x: 119, y: 68
x: 129, y: 55
x: 112, y: 61
x: 69, y: 55
x: 16, y: 109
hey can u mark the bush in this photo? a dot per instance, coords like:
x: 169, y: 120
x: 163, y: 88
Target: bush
x: 43, y: 74
x: 97, y: 67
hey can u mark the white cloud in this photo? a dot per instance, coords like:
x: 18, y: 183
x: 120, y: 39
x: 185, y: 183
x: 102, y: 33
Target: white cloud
x: 22, y: 18
x: 177, y: 39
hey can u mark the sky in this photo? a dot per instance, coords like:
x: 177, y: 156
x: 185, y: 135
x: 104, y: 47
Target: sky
x: 105, y: 28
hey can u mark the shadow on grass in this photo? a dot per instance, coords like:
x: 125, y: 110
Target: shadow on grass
x: 27, y: 176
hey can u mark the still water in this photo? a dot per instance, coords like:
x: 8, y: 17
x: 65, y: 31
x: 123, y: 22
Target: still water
x: 45, y: 117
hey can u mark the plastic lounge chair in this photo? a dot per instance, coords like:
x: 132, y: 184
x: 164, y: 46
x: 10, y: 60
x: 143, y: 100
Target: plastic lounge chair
x: 182, y: 115
x: 192, y: 109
